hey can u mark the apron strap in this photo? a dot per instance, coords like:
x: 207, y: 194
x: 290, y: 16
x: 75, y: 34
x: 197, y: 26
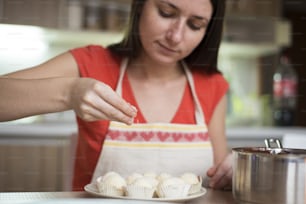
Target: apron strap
x: 199, y: 114
x: 121, y: 75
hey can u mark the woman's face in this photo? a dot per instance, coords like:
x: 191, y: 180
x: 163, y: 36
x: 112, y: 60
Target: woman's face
x: 171, y: 29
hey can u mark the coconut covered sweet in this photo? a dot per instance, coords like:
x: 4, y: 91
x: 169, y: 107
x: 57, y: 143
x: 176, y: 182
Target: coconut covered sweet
x: 194, y: 181
x: 163, y: 176
x: 149, y: 185
x: 131, y: 178
x: 112, y: 184
x: 143, y: 187
x: 173, y: 187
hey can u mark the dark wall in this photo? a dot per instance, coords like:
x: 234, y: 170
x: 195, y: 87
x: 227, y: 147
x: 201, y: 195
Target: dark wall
x: 295, y: 11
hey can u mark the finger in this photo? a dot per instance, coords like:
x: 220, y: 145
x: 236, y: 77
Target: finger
x: 225, y: 181
x: 211, y: 171
x: 88, y: 112
x: 98, y: 108
x: 107, y: 111
x: 112, y: 113
x: 111, y: 97
x: 95, y: 108
x: 219, y: 175
x: 229, y: 177
x: 90, y: 118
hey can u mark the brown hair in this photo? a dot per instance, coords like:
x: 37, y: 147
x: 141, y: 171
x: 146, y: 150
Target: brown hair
x: 204, y: 57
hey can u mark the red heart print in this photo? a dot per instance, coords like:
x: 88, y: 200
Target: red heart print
x: 147, y: 136
x: 203, y: 136
x: 130, y: 135
x: 113, y: 134
x: 177, y: 136
x: 163, y: 135
x: 190, y: 137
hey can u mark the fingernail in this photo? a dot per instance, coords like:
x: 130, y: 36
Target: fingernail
x: 130, y: 121
x: 134, y: 108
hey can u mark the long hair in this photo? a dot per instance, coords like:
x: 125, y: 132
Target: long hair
x: 203, y: 58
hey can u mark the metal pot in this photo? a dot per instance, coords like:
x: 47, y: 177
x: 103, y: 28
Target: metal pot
x: 269, y: 174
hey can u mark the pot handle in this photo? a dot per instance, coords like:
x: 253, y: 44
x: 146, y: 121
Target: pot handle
x: 272, y: 140
x: 274, y: 150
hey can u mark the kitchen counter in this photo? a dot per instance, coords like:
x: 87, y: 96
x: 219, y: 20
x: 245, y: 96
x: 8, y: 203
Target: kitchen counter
x: 66, y: 128
x: 211, y: 197
x: 37, y: 129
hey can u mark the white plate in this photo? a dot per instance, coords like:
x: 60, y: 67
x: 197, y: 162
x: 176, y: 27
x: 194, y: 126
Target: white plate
x: 92, y: 189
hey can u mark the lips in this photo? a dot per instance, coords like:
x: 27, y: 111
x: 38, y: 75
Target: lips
x: 167, y: 48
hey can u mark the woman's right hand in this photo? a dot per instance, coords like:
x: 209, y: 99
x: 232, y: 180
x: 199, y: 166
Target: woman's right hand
x: 93, y: 100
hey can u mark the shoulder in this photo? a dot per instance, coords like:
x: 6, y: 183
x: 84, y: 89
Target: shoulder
x: 90, y: 49
x: 93, y: 52
x: 216, y: 82
x: 97, y: 62
x: 210, y: 89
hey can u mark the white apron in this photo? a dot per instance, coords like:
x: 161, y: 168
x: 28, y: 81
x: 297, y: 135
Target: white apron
x: 156, y: 147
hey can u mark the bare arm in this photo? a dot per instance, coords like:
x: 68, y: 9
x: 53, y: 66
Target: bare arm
x: 56, y: 86
x: 38, y: 90
x: 216, y: 130
x: 221, y: 172
x: 23, y: 97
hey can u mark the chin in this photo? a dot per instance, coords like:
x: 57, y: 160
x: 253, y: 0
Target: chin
x: 164, y: 59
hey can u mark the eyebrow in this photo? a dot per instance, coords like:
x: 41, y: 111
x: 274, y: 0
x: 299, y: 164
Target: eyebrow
x: 175, y: 7
x: 201, y: 18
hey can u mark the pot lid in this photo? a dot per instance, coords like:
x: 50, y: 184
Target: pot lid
x: 269, y: 150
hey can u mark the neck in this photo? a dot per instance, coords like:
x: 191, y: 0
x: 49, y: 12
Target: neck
x: 148, y: 69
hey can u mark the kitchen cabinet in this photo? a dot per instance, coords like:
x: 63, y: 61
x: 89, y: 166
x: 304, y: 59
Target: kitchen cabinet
x: 45, y: 13
x: 35, y: 163
x: 257, y: 24
x: 104, y: 15
x: 248, y: 8
x: 66, y: 14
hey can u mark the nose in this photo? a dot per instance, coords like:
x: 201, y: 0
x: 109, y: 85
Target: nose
x: 175, y: 33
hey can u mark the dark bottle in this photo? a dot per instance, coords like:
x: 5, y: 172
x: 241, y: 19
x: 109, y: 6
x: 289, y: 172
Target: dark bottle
x: 284, y: 93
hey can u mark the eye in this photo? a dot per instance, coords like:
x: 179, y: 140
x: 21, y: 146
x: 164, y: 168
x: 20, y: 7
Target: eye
x: 166, y: 11
x: 196, y: 24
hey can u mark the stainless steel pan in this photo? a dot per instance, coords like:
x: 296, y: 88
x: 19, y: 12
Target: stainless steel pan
x: 269, y: 175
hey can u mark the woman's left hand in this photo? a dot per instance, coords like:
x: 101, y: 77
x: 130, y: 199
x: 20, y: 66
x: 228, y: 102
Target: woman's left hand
x: 221, y: 174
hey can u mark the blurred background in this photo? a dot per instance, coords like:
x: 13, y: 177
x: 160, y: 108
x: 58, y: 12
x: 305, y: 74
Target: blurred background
x: 36, y: 153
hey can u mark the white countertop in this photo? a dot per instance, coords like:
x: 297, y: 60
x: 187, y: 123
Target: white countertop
x: 46, y: 129
x: 63, y: 129
x: 263, y: 132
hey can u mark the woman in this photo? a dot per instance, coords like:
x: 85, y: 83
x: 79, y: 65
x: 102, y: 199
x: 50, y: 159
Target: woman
x: 154, y: 102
